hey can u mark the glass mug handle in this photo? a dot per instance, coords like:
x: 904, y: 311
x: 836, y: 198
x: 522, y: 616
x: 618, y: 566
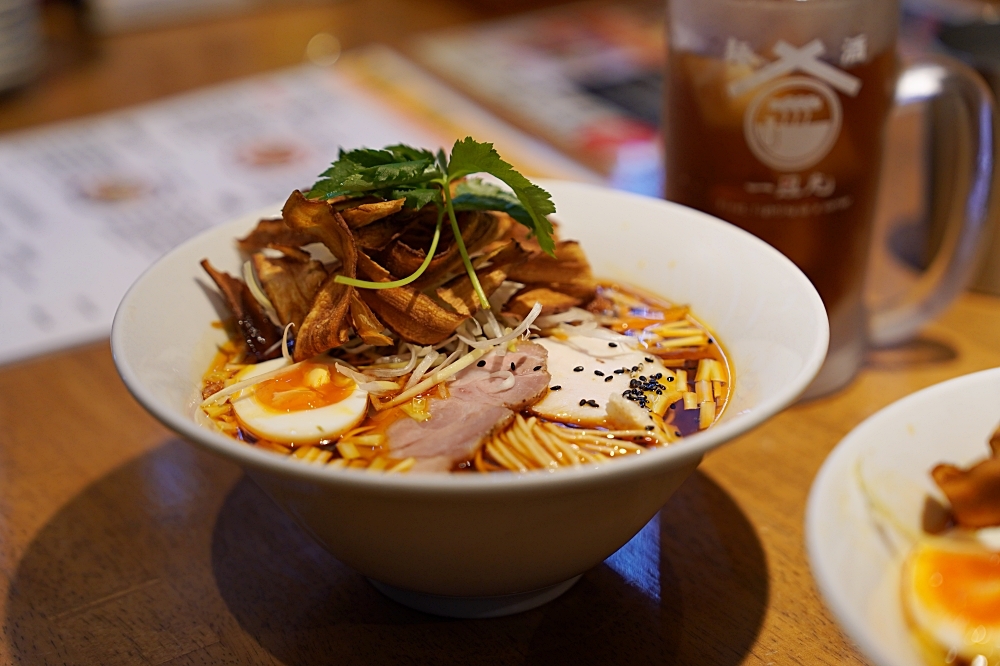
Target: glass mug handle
x: 963, y: 188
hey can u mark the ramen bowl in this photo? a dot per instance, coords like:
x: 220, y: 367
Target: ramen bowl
x: 478, y: 545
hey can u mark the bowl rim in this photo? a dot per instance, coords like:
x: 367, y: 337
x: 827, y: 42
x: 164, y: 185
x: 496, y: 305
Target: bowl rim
x: 828, y: 479
x: 540, y: 481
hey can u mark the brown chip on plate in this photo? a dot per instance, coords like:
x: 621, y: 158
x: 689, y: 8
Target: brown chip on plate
x: 365, y: 214
x: 974, y: 493
x: 459, y: 292
x: 259, y: 334
x: 290, y: 285
x: 365, y: 322
x: 270, y: 233
x: 326, y: 325
x: 405, y: 255
x: 568, y: 264
x: 553, y: 302
x: 414, y: 316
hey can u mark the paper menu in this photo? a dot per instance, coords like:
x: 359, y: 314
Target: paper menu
x: 86, y: 206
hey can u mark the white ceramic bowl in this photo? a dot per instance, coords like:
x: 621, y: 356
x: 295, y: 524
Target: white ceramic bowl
x: 856, y: 545
x: 469, y: 536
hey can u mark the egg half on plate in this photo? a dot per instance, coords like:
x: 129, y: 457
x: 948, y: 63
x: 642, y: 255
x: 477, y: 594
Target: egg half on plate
x: 309, y: 403
x: 951, y: 596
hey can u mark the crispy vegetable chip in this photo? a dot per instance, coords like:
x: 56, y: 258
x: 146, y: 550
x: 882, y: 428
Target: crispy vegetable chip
x: 365, y: 322
x: 553, y: 302
x: 365, y: 214
x: 259, y: 334
x: 290, y: 285
x: 270, y: 233
x: 409, y: 313
x: 327, y: 324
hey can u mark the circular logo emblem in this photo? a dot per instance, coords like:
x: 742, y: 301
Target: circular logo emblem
x: 793, y: 123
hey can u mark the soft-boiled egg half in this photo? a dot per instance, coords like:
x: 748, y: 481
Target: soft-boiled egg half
x: 309, y: 403
x: 951, y: 595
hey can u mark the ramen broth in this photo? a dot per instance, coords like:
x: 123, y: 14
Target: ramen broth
x: 665, y: 331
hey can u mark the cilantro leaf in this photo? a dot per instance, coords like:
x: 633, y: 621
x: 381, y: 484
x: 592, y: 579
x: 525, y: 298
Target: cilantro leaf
x: 474, y: 194
x: 325, y: 188
x: 469, y: 156
x: 417, y: 197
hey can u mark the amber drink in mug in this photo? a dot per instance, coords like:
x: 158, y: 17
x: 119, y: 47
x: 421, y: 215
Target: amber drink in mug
x: 774, y: 120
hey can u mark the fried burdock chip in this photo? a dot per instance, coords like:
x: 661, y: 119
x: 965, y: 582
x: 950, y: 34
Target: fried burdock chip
x: 327, y: 324
x: 974, y: 493
x: 290, y: 283
x: 260, y: 335
x: 552, y: 302
x: 405, y: 255
x: 567, y: 272
x: 367, y: 325
x: 366, y: 213
x: 459, y: 292
x: 412, y: 315
x: 272, y: 233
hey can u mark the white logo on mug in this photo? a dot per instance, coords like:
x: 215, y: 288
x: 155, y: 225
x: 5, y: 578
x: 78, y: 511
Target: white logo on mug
x: 793, y: 121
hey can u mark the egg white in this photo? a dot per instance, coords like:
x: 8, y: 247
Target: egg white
x: 307, y: 426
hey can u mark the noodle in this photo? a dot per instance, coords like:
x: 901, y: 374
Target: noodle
x: 693, y: 390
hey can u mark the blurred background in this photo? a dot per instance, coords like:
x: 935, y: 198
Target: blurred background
x: 127, y: 126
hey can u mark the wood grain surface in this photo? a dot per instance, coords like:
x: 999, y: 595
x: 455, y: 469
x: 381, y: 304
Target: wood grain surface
x: 122, y: 544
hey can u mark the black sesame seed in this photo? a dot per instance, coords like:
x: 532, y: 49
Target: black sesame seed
x: 583, y: 402
x: 578, y: 368
x: 670, y: 379
x: 598, y: 373
x: 649, y: 360
x: 481, y: 364
x: 612, y: 344
x: 608, y: 378
x: 673, y: 406
x: 658, y: 375
x: 635, y: 368
x: 634, y: 383
x: 619, y: 371
x: 642, y: 378
x: 592, y: 403
x: 555, y: 388
x: 650, y: 427
x: 677, y: 433
x: 711, y: 341
x: 537, y: 368
x: 512, y: 366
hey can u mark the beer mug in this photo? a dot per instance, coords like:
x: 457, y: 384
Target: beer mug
x: 774, y: 120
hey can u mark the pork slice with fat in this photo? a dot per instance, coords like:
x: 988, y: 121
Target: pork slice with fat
x: 482, y: 383
x: 476, y: 408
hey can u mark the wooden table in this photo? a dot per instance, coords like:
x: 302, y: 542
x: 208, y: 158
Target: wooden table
x: 122, y: 544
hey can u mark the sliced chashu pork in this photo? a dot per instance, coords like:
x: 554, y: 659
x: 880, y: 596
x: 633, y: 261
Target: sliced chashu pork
x: 475, y: 409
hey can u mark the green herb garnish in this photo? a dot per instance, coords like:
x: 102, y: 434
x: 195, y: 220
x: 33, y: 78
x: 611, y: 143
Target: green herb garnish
x: 423, y: 178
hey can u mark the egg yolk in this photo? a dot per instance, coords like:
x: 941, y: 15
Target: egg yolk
x: 307, y: 386
x: 961, y: 584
